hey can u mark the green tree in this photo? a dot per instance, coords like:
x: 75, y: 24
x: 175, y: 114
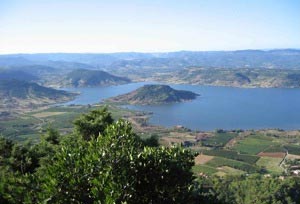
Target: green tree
x: 24, y: 159
x: 92, y: 124
x: 115, y: 168
x: 6, y: 147
x: 85, y: 171
x: 254, y: 189
x: 18, y: 163
x: 163, y: 175
x: 152, y: 141
x: 52, y: 136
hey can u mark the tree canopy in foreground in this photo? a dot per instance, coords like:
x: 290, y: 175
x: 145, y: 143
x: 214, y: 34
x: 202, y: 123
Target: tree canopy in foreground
x: 104, y: 161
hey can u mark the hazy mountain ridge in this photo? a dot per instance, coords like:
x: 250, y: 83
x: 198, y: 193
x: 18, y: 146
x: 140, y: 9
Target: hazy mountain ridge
x: 241, y: 68
x: 246, y: 77
x: 13, y: 60
x: 279, y: 58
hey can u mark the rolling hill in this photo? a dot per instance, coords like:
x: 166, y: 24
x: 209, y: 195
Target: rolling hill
x: 154, y: 94
x: 16, y: 74
x: 16, y: 94
x: 91, y: 78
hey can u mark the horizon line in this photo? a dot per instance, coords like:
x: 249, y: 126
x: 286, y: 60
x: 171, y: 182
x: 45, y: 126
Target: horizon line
x: 149, y: 52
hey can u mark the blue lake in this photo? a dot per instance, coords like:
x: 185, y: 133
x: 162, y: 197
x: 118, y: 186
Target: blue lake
x: 216, y: 107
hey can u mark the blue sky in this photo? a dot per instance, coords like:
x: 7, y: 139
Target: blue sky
x: 32, y: 26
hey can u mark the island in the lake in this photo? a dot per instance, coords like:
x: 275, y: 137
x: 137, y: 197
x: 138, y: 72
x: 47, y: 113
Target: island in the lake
x: 154, y: 94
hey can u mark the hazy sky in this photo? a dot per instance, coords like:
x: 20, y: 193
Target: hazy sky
x: 147, y: 25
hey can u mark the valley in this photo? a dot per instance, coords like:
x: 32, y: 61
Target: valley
x: 150, y: 102
x: 180, y: 98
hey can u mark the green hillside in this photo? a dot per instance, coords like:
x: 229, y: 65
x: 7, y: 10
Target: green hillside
x: 15, y: 93
x: 154, y: 94
x: 16, y: 74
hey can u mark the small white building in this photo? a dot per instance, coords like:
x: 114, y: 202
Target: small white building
x: 296, y: 172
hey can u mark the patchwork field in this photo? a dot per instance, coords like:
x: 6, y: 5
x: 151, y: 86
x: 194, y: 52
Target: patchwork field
x: 272, y: 154
x: 249, y: 152
x: 220, y: 161
x: 251, y: 159
x: 47, y: 114
x: 293, y: 156
x: 204, y: 169
x: 226, y: 170
x: 293, y: 149
x: 275, y: 148
x: 219, y: 139
x: 253, y: 144
x: 202, y: 159
x: 270, y: 164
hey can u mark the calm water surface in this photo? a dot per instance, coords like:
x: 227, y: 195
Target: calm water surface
x: 217, y: 107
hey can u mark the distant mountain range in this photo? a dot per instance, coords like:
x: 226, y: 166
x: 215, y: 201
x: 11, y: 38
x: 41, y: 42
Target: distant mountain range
x: 154, y: 94
x: 281, y: 59
x: 243, y: 68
